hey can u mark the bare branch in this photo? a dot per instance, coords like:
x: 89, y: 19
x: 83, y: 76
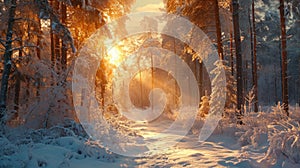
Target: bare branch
x: 2, y: 42
x: 17, y: 39
x: 27, y: 19
x: 26, y: 46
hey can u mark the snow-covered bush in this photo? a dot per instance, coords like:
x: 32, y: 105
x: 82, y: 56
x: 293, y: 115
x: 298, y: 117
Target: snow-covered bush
x: 254, y: 130
x: 42, y: 135
x: 57, y: 146
x: 204, y: 109
x: 74, y: 126
x: 284, y: 142
x: 254, y: 137
x: 6, y: 147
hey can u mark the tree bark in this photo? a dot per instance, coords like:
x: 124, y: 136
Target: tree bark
x: 231, y: 55
x: 231, y: 49
x: 254, y: 59
x: 284, y: 80
x: 38, y: 53
x: 52, y: 48
x: 38, y: 49
x: 17, y: 92
x: 57, y: 45
x: 238, y: 52
x: 18, y: 85
x: 218, y: 30
x: 7, y: 62
x: 63, y: 46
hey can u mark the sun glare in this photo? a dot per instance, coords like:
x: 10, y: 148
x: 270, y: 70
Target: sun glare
x: 114, y: 56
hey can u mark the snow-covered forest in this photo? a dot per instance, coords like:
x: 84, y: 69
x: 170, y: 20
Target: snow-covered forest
x: 149, y: 83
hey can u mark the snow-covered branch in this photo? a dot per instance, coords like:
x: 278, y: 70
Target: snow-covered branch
x: 47, y: 12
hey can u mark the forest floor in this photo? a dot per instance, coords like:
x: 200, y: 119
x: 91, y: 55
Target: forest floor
x: 228, y: 146
x: 69, y: 151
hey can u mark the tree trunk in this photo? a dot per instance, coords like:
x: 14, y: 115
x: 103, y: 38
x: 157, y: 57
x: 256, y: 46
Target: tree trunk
x: 245, y: 77
x: 218, y: 30
x: 38, y: 53
x: 238, y: 52
x: 231, y: 49
x: 38, y: 49
x: 52, y: 49
x: 231, y: 55
x: 284, y: 81
x: 18, y: 85
x: 254, y: 60
x: 17, y: 92
x: 275, y: 85
x: 7, y: 62
x: 201, y: 83
x: 57, y: 45
x: 64, y: 46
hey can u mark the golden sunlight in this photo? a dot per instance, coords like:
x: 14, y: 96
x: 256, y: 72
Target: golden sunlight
x: 114, y: 56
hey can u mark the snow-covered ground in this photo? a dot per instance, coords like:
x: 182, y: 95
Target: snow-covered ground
x: 264, y: 140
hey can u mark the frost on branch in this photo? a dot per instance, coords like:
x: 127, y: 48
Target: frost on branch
x: 284, y: 142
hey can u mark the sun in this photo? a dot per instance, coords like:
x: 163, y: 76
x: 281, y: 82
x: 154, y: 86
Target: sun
x: 114, y: 56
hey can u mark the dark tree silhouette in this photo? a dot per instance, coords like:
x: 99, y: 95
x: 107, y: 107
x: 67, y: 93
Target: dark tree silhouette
x: 284, y: 80
x: 254, y: 57
x: 7, y: 60
x: 238, y: 52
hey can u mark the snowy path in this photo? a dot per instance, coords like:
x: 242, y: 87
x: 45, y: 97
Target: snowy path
x: 228, y: 146
x: 191, y: 153
x: 220, y: 150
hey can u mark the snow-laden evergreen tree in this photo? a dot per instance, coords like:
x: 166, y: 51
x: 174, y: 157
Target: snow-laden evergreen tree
x: 218, y: 95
